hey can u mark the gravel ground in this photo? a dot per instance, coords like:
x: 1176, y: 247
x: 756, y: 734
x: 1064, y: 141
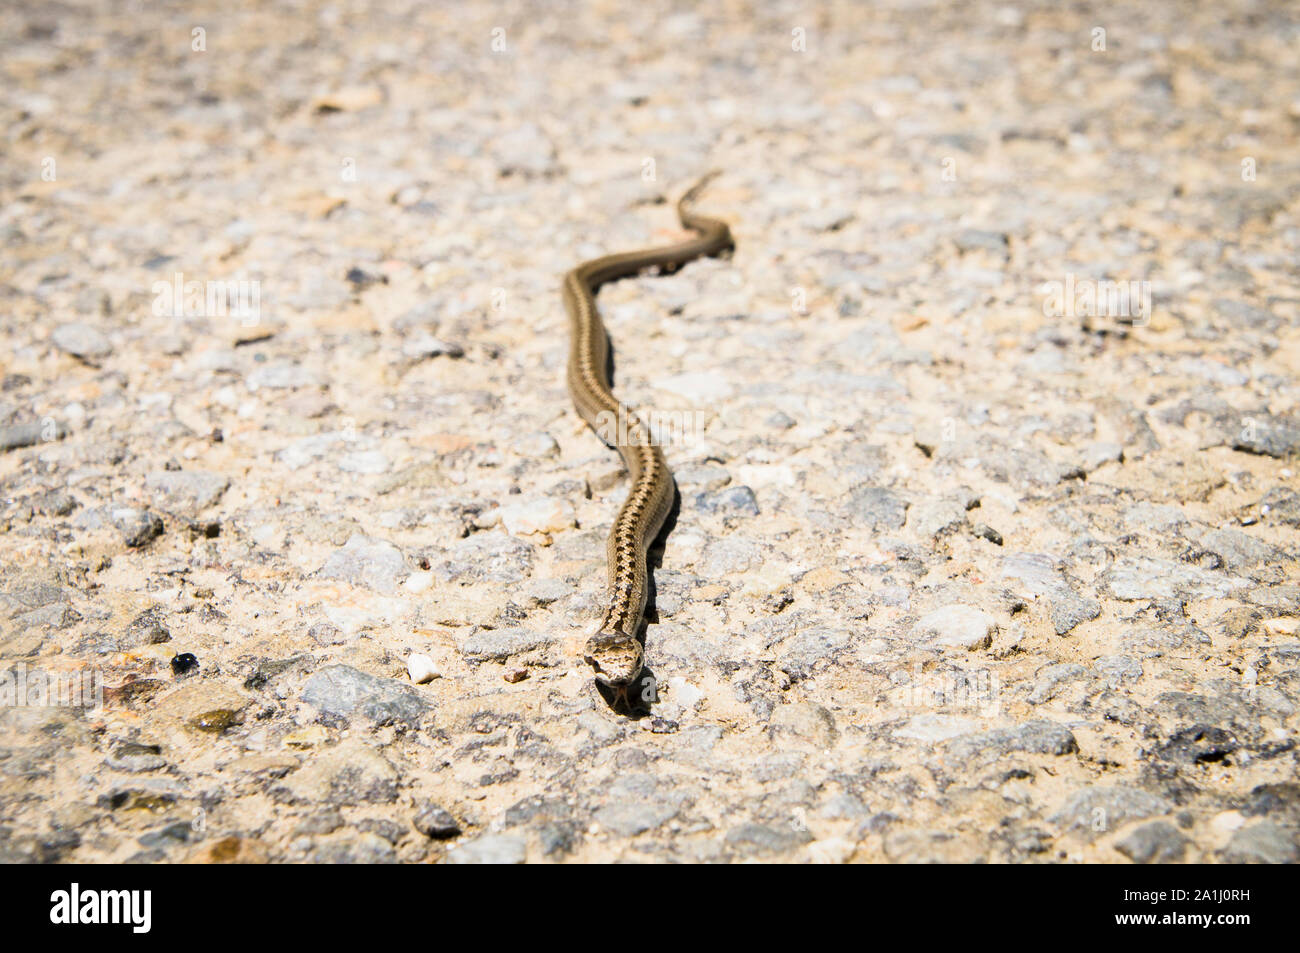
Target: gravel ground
x: 985, y: 436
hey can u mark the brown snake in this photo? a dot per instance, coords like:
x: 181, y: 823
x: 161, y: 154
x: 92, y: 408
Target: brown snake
x: 614, y: 652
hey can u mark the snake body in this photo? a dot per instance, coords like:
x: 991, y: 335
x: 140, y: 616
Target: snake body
x: 614, y: 652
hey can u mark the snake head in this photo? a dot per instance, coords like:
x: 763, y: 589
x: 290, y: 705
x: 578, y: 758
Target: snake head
x: 615, y: 657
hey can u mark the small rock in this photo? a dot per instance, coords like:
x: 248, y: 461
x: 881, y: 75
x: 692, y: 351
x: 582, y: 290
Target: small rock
x: 1156, y: 842
x: 365, y: 561
x: 1070, y: 610
x: 1099, y: 810
x: 147, y: 629
x: 731, y: 501
x: 490, y: 849
x: 876, y: 508
x: 82, y: 341
x: 1034, y: 737
x: 758, y: 840
x: 343, y: 690
x: 499, y: 645
x: 185, y: 491
x: 1269, y: 435
x: 138, y: 527
x: 16, y: 436
x: 1262, y: 843
x: 435, y: 821
x: 1100, y: 453
x: 541, y: 515
x: 957, y: 627
x: 421, y: 668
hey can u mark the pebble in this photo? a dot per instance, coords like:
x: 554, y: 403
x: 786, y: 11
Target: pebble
x: 541, y: 515
x: 366, y: 561
x: 434, y: 821
x: 186, y: 491
x: 876, y: 508
x: 17, y: 436
x: 956, y: 627
x: 1262, y: 843
x: 1156, y: 842
x: 421, y: 668
x: 1094, y: 811
x: 490, y: 849
x: 82, y: 340
x: 343, y: 690
x: 137, y: 527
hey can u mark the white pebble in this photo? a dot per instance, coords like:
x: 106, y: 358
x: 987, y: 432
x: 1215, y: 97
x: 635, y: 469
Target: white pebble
x: 421, y: 668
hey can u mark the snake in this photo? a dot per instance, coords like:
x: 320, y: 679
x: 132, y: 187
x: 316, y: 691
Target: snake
x: 615, y: 652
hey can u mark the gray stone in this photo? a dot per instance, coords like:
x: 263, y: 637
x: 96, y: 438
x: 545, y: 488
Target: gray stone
x: 48, y: 617
x: 185, y: 491
x: 1034, y: 737
x: 147, y: 629
x: 1281, y: 505
x: 365, y: 561
x: 1235, y: 549
x: 343, y: 690
x: 1069, y: 610
x: 490, y: 849
x: 935, y: 517
x: 437, y: 822
x: 634, y: 804
x: 1156, y: 842
x: 801, y: 653
x: 956, y: 627
x: 1100, y: 453
x: 16, y: 436
x: 1279, y: 800
x: 1115, y: 670
x: 1268, y: 435
x: 1262, y: 843
x: 492, y: 556
x: 1143, y: 577
x: 762, y: 840
x: 876, y: 508
x: 138, y: 527
x: 362, y: 849
x: 81, y: 340
x: 731, y: 501
x: 1095, y: 811
x: 1241, y: 314
x: 1051, y: 678
x: 498, y: 645
x: 308, y: 449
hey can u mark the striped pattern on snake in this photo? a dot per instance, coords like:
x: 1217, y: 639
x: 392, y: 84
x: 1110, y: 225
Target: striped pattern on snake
x: 615, y: 652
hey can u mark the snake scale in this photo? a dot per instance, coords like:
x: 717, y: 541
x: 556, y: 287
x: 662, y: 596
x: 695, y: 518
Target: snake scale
x: 614, y: 652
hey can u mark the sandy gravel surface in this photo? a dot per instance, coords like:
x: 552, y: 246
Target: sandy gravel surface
x: 985, y: 436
